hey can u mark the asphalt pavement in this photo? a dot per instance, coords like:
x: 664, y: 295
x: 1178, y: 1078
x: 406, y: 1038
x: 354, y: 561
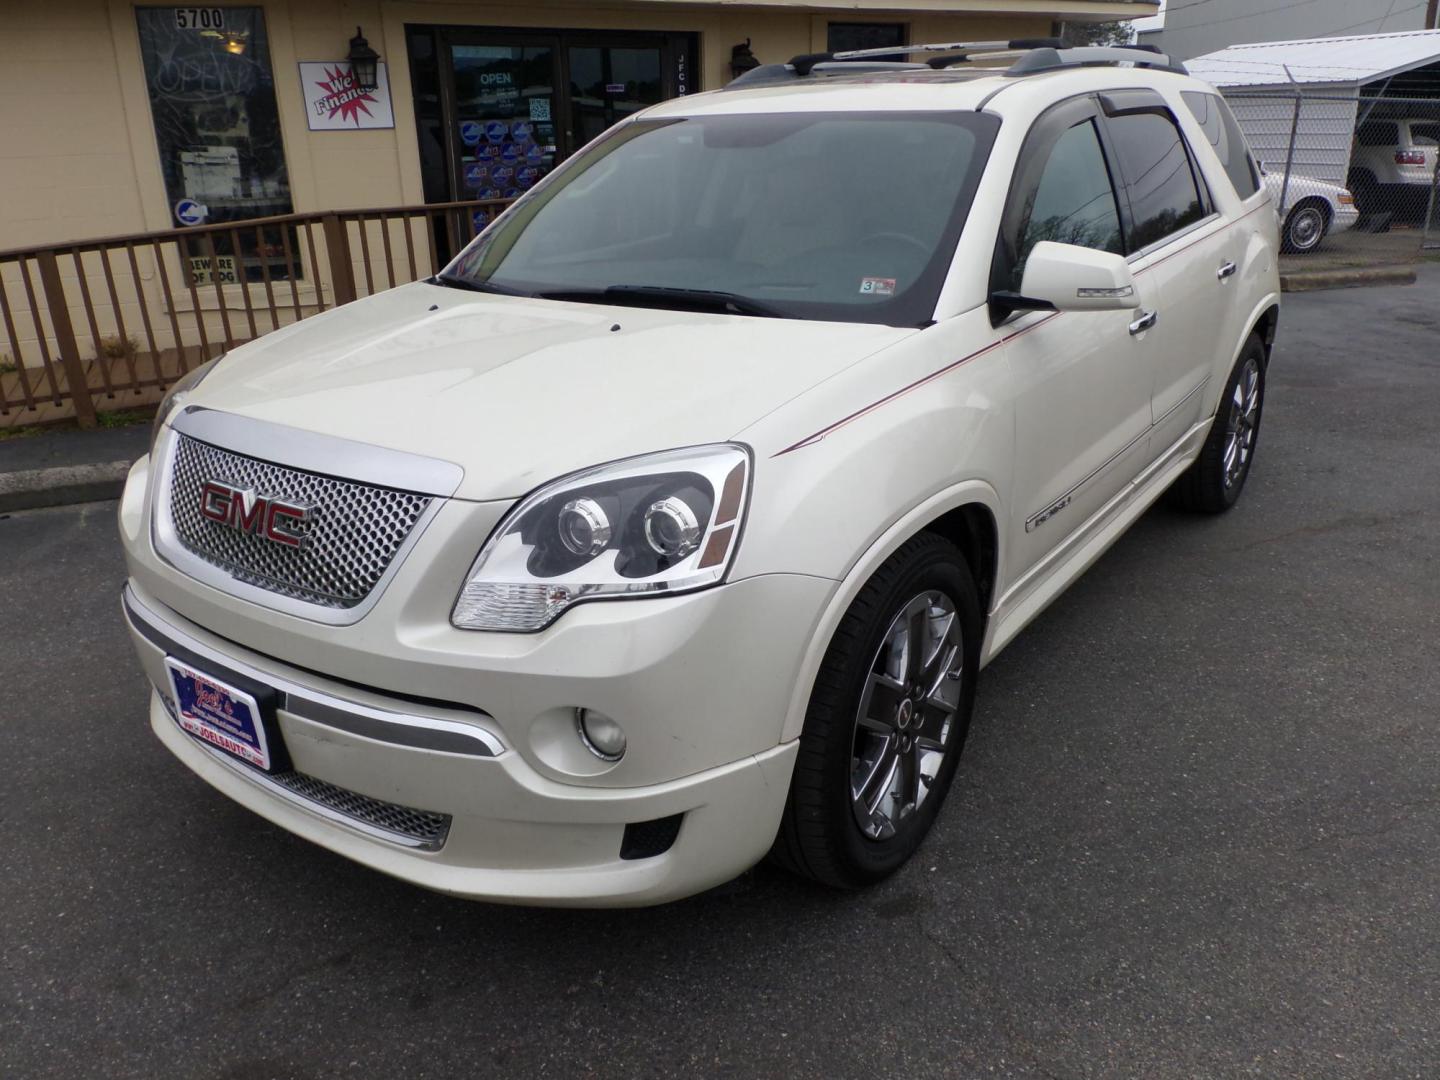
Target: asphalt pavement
x: 1194, y: 834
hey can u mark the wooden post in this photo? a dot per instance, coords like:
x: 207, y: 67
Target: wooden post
x: 65, y: 338
x: 337, y: 247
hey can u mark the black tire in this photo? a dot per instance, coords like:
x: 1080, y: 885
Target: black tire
x: 1363, y: 186
x: 1212, y: 485
x: 1306, y: 227
x: 820, y: 836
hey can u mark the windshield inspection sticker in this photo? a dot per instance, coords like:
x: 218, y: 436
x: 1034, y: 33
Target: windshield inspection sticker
x: 877, y: 286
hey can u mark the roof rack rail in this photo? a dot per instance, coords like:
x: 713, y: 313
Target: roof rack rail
x: 1038, y: 61
x: 1037, y: 55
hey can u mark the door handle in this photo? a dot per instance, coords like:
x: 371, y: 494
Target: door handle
x: 1228, y: 270
x: 1145, y: 322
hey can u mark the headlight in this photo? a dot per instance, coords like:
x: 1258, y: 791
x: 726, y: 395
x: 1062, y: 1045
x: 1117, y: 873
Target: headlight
x: 648, y: 526
x: 175, y: 396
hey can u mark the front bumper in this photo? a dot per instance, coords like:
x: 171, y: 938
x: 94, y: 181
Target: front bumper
x: 510, y: 834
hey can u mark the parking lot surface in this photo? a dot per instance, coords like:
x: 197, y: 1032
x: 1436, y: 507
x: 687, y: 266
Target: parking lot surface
x: 1194, y: 834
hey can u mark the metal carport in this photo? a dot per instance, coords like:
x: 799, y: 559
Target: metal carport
x: 1340, y: 72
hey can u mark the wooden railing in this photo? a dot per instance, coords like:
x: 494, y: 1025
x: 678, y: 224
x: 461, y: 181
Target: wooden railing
x: 105, y: 325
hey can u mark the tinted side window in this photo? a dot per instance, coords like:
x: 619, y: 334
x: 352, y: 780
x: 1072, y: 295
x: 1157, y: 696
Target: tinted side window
x: 1074, y: 202
x: 1163, y: 195
x: 1224, y: 134
x: 1378, y: 134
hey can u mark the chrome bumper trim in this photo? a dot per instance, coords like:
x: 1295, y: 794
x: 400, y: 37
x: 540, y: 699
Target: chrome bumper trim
x: 319, y: 809
x: 399, y: 729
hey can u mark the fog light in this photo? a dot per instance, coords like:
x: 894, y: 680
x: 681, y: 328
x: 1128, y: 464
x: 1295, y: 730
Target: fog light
x: 601, y: 735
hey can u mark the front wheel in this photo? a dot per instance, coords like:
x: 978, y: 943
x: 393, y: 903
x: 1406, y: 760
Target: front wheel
x: 1305, y: 228
x: 1214, y: 482
x: 887, y: 719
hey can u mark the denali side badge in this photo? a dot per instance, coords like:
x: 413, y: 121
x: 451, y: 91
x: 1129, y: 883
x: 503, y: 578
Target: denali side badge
x: 1046, y: 514
x: 265, y: 516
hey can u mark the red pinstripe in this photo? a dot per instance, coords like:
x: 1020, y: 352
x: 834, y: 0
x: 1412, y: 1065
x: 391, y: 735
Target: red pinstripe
x: 838, y: 424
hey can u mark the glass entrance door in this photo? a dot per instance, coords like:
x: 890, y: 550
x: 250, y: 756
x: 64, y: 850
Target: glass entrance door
x: 497, y: 108
x: 609, y: 83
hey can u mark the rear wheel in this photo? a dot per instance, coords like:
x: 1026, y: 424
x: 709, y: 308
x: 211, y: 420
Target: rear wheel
x: 1363, y: 186
x: 1306, y: 227
x: 1213, y: 483
x: 887, y: 719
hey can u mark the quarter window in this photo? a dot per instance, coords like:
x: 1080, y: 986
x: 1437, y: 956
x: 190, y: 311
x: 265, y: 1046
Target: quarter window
x: 1164, y: 197
x: 1378, y: 134
x: 1221, y: 128
x: 1074, y: 202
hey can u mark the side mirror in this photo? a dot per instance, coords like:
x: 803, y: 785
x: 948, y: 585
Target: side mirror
x: 1074, y: 278
x: 1065, y: 277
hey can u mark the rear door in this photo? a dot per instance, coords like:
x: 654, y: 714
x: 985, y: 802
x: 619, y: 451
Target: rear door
x: 1082, y: 379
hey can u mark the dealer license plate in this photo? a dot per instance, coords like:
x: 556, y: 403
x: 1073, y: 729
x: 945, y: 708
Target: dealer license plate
x: 226, y: 718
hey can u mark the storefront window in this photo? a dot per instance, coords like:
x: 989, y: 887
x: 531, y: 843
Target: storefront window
x: 212, y: 96
x: 848, y: 37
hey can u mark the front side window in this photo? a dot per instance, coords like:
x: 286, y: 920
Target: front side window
x: 1223, y: 131
x: 1164, y: 196
x: 212, y: 96
x: 804, y: 215
x: 1074, y: 202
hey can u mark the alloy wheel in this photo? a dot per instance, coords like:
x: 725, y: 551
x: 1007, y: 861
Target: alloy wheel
x: 908, y: 706
x: 1242, y: 423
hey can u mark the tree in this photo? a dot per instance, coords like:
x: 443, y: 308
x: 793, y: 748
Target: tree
x: 1101, y: 33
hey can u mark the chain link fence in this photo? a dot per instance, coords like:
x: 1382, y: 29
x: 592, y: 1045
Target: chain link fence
x: 1356, y: 180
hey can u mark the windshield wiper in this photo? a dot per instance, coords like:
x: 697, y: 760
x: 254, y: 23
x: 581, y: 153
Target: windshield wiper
x: 451, y: 281
x: 664, y: 296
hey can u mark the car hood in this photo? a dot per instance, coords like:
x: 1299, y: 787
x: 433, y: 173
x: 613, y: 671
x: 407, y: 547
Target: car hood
x: 517, y: 391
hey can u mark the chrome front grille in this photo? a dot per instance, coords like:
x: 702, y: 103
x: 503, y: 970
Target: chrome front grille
x: 351, y: 537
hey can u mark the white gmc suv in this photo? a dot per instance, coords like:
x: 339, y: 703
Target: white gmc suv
x: 672, y: 523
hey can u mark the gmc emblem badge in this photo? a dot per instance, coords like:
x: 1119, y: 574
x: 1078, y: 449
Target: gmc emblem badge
x: 262, y: 515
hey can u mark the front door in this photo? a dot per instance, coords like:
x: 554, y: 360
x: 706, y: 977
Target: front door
x: 1082, y: 378
x: 1181, y: 246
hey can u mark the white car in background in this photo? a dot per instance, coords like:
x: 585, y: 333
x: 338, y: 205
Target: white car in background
x: 671, y: 524
x: 1313, y: 209
x: 1392, y: 164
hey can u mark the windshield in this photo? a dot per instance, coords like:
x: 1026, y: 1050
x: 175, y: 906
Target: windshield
x: 848, y: 217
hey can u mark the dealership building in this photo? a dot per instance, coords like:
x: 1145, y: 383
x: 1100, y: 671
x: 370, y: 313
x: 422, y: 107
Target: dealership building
x: 119, y: 113
x: 178, y: 180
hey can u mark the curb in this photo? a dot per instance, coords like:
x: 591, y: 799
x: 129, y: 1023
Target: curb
x: 31, y: 489
x: 1312, y: 280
